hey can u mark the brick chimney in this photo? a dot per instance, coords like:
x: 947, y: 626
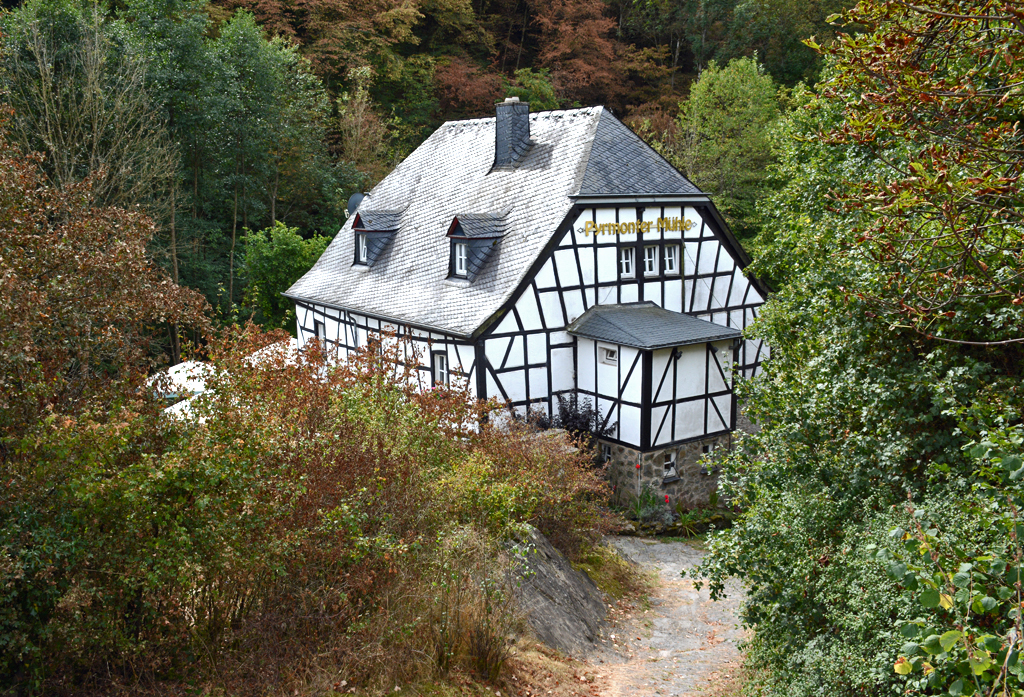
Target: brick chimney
x: 511, y: 132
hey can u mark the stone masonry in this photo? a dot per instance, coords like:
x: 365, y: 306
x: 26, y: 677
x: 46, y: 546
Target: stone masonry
x: 692, y: 486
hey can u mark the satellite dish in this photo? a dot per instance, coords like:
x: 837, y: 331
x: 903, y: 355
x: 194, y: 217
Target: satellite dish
x: 353, y: 202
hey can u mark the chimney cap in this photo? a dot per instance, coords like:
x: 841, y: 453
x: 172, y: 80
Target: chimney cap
x: 511, y: 100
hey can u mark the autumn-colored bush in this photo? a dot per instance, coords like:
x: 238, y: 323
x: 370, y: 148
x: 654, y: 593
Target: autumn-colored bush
x: 304, y: 520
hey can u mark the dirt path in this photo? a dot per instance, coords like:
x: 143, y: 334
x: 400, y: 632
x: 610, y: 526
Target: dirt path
x: 684, y: 644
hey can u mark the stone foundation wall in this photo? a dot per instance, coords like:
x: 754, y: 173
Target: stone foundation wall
x: 692, y: 487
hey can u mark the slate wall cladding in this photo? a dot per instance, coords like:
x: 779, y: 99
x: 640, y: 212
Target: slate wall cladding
x: 692, y: 489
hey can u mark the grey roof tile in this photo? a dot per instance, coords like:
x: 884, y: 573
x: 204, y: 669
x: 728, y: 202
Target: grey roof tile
x: 645, y: 325
x: 452, y: 174
x: 482, y: 224
x: 620, y: 162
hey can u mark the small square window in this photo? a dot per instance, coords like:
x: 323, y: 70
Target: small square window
x: 460, y: 259
x: 608, y: 356
x: 672, y: 258
x: 651, y: 260
x: 626, y: 261
x: 670, y: 471
x: 441, y: 368
x: 362, y: 253
x: 320, y: 332
x: 606, y: 452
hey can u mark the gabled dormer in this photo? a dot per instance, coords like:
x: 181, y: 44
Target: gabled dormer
x: 373, y: 231
x: 475, y: 238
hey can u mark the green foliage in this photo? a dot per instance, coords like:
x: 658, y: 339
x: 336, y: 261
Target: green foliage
x: 274, y: 259
x: 534, y: 86
x: 723, y: 144
x: 861, y: 413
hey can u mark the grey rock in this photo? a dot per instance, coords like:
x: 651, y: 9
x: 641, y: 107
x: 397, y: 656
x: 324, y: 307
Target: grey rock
x: 562, y: 605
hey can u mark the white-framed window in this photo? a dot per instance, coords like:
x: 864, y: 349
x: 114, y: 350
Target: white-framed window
x: 650, y: 260
x: 362, y: 254
x: 460, y: 261
x: 608, y: 355
x: 627, y: 261
x: 670, y: 471
x: 320, y: 331
x: 606, y: 452
x: 672, y: 258
x: 441, y: 368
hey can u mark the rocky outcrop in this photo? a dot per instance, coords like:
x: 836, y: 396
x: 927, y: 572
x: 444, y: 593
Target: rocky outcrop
x: 562, y: 605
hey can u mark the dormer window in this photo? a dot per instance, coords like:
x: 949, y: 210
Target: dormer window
x: 460, y: 254
x: 361, y: 250
x: 373, y: 231
x: 475, y: 238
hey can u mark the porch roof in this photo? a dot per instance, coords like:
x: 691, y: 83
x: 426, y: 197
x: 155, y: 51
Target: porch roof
x: 644, y: 325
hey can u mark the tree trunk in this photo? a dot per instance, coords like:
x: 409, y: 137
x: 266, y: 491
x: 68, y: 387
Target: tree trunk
x: 175, y: 344
x: 273, y: 198
x: 231, y: 260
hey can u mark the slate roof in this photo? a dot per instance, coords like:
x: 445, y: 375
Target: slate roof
x: 616, y: 166
x: 644, y: 325
x: 481, y: 224
x: 379, y: 220
x: 452, y: 173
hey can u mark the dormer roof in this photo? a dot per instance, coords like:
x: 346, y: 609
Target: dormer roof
x: 479, y: 225
x: 377, y: 220
x: 573, y: 155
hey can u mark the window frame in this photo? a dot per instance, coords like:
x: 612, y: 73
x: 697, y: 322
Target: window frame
x: 651, y: 254
x: 460, y: 252
x: 674, y: 271
x: 627, y: 255
x: 440, y: 368
x: 362, y: 249
x: 670, y: 467
x: 608, y: 355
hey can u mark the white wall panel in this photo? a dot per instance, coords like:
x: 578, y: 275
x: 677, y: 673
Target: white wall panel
x: 629, y: 293
x: 517, y: 354
x: 689, y: 258
x: 716, y: 423
x: 586, y: 257
x: 538, y: 383
x: 607, y: 380
x: 720, y: 296
x: 690, y: 369
x: 708, y: 257
x: 652, y: 292
x: 508, y: 324
x: 659, y: 362
x: 701, y: 296
x: 604, y: 215
x: 492, y: 386
x: 546, y: 276
x: 514, y: 383
x: 629, y: 425
x: 562, y: 370
x: 690, y: 419
x: 573, y: 303
x: 589, y: 296
x: 560, y: 337
x: 657, y: 414
x: 674, y: 295
x: 568, y: 275
x: 495, y: 349
x: 536, y: 348
x: 552, y: 307
x: 739, y: 287
x: 632, y: 388
x: 529, y: 313
x: 607, y: 295
x: 607, y: 265
x: 725, y: 262
x: 585, y: 365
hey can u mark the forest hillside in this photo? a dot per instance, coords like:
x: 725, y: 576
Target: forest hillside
x: 167, y: 167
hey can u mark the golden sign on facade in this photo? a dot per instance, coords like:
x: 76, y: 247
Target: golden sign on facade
x: 643, y: 226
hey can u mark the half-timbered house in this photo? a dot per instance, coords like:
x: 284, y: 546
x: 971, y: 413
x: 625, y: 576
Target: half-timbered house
x: 541, y: 254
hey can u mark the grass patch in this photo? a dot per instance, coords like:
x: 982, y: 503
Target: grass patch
x: 615, y: 576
